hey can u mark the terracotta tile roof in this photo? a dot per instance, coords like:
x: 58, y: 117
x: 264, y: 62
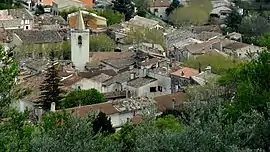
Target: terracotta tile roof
x: 136, y: 120
x: 70, y: 80
x: 88, y: 3
x: 165, y: 102
x: 186, y: 72
x: 39, y: 36
x: 161, y: 3
x: 33, y: 83
x: 105, y: 107
x: 48, y: 2
x: 99, y: 56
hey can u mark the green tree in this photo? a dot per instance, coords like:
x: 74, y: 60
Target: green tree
x: 17, y: 132
x: 145, y: 35
x: 102, y: 124
x: 142, y: 7
x: 218, y: 63
x: 8, y: 73
x: 39, y: 10
x: 50, y: 88
x: 101, y: 43
x: 168, y: 122
x: 112, y: 16
x: 253, y: 27
x: 233, y: 21
x: 264, y: 40
x: 124, y: 6
x: 175, y: 4
x: 251, y: 86
x: 82, y: 97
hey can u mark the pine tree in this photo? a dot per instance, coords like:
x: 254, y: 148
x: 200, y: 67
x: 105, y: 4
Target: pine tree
x: 124, y: 6
x: 102, y: 124
x: 50, y: 88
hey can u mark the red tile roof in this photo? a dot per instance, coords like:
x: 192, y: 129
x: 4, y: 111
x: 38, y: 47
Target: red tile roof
x: 71, y: 80
x: 105, y: 107
x: 186, y: 72
x: 161, y: 3
x: 165, y: 102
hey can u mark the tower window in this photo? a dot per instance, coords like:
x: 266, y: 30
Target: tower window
x: 80, y: 40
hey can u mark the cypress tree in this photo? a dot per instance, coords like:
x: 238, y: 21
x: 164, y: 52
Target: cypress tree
x: 124, y: 6
x: 50, y: 88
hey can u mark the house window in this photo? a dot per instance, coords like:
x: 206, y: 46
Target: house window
x: 153, y: 89
x: 155, y: 10
x: 26, y: 27
x: 80, y: 40
x: 160, y: 88
x: 160, y: 16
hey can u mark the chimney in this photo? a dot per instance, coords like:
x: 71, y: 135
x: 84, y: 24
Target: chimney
x: 208, y: 69
x: 132, y: 75
x: 53, y: 107
x: 153, y: 45
x: 8, y: 11
x: 173, y: 103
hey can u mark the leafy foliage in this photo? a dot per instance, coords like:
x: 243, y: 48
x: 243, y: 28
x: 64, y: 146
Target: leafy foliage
x: 50, y: 88
x: 8, y: 73
x: 233, y: 21
x: 264, y: 40
x: 175, y: 4
x: 82, y: 97
x: 145, y: 35
x: 101, y: 43
x: 112, y: 16
x: 251, y: 86
x: 142, y: 7
x: 168, y: 122
x: 253, y: 27
x: 125, y: 7
x: 102, y: 124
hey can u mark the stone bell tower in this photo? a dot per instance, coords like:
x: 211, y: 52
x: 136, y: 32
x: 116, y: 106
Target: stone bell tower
x: 79, y: 43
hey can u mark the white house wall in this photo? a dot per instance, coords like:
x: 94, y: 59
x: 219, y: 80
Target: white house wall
x: 161, y: 12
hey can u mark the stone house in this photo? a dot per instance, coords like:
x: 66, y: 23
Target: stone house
x: 49, y: 22
x: 237, y: 49
x: 242, y: 50
x: 119, y: 111
x: 36, y: 44
x: 141, y: 22
x: 182, y: 78
x: 16, y: 19
x: 158, y: 7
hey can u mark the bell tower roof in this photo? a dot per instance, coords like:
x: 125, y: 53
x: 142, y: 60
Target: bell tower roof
x: 79, y: 21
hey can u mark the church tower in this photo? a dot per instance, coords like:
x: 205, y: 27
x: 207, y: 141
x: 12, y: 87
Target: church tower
x: 79, y: 44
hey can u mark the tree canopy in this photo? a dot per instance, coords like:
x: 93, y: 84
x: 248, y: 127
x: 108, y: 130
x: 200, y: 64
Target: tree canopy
x: 101, y: 43
x: 82, y: 97
x: 145, y: 35
x: 124, y: 6
x: 8, y: 74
